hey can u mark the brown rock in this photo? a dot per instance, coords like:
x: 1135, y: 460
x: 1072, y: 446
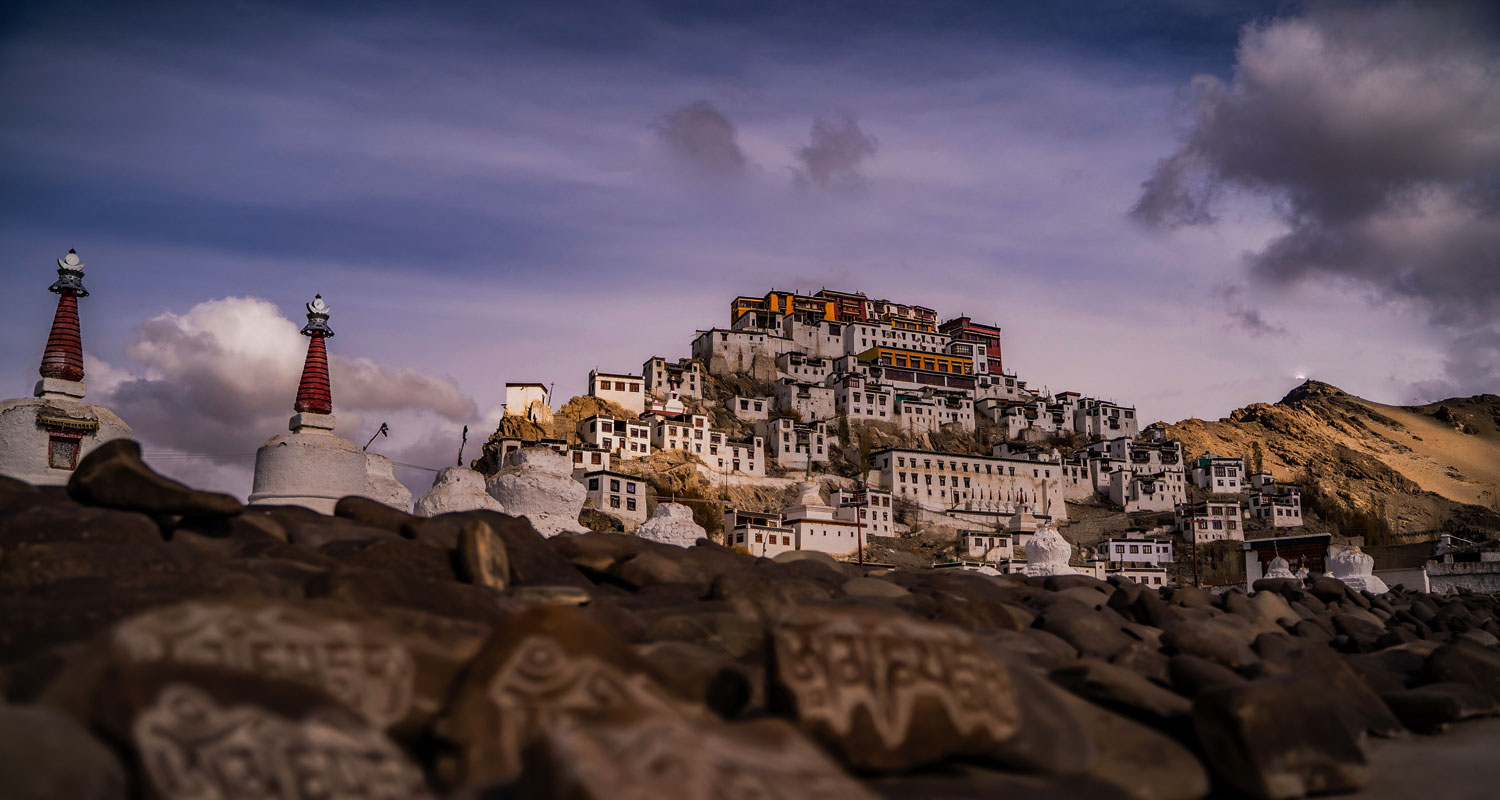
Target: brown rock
x: 1143, y: 762
x: 1278, y: 738
x: 539, y: 667
x: 886, y: 692
x: 550, y: 595
x: 1121, y: 690
x: 379, y: 588
x: 1469, y: 664
x: 113, y: 476
x: 873, y: 588
x: 971, y: 783
x: 395, y: 669
x: 758, y: 593
x: 70, y: 522
x: 1429, y: 709
x: 45, y: 755
x: 482, y: 559
x: 1193, y: 675
x: 735, y: 635
x: 703, y: 675
x: 1084, y: 628
x: 1210, y: 639
x: 653, y: 568
x: 648, y: 754
x: 327, y: 530
x: 374, y: 514
x: 193, y: 732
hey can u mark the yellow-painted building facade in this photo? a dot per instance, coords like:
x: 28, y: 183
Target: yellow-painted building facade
x: 783, y: 303
x: 914, y: 359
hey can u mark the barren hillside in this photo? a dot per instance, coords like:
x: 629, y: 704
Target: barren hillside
x: 1420, y: 468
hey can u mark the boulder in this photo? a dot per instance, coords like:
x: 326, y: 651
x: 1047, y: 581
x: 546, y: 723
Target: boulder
x: 1278, y: 738
x: 114, y: 476
x: 633, y: 752
x: 45, y: 755
x: 672, y: 523
x: 539, y: 486
x: 456, y: 489
x: 832, y: 670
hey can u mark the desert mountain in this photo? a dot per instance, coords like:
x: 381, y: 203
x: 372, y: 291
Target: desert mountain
x: 1417, y: 470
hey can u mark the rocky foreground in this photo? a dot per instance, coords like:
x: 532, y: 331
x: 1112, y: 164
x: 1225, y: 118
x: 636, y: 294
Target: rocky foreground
x: 167, y: 643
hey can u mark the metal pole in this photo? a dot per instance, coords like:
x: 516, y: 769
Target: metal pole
x: 859, y: 529
x: 1195, y: 558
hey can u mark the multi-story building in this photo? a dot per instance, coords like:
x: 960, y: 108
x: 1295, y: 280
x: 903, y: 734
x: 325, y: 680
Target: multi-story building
x: 618, y: 495
x: 748, y: 351
x: 811, y: 401
x: 990, y: 547
x: 528, y: 400
x: 784, y: 304
x: 1136, y: 549
x: 860, y: 398
x: 627, y: 438
x: 964, y: 329
x: 849, y: 306
x: 816, y: 526
x: 872, y: 507
x: 795, y: 444
x: 687, y: 432
x: 804, y: 368
x: 751, y: 409
x: 955, y: 481
x: 759, y: 532
x: 916, y: 360
x: 627, y: 391
x: 663, y: 378
x: 1219, y: 474
x: 1211, y: 521
x: 588, y: 458
x: 1103, y: 419
x: 1275, y: 504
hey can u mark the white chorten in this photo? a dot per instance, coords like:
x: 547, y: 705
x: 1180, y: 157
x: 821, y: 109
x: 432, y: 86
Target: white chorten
x: 43, y: 437
x: 1357, y: 570
x: 1280, y: 569
x: 381, y: 484
x: 1048, y: 553
x: 456, y: 489
x: 310, y: 466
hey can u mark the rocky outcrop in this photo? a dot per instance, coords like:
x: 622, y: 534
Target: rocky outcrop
x: 672, y: 523
x: 149, y: 654
x: 456, y: 489
x: 538, y: 485
x: 381, y: 484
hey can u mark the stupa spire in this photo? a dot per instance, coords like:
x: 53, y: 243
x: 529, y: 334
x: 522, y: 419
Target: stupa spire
x: 63, y: 358
x: 314, y: 395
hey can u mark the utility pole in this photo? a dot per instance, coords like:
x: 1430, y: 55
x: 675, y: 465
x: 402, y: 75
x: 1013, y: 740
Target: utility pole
x: 859, y: 527
x: 1194, y: 536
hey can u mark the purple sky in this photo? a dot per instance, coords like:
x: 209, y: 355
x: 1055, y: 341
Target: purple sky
x: 1181, y: 205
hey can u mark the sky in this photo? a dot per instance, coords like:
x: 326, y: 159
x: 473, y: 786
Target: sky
x: 1183, y: 205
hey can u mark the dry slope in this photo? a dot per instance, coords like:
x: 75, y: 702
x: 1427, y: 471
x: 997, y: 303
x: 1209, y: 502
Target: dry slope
x: 1421, y: 468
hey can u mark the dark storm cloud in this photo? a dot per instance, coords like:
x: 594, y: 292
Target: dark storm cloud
x: 1245, y: 316
x: 1374, y: 131
x: 701, y: 140
x: 834, y: 158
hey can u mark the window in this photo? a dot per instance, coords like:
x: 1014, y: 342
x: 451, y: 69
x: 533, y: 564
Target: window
x: 578, y: 457
x: 62, y: 451
x: 614, y: 501
x: 597, y: 457
x: 630, y: 488
x: 593, y: 484
x: 630, y: 503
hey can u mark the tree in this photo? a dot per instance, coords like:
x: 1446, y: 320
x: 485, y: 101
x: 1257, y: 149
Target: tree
x: 1257, y: 457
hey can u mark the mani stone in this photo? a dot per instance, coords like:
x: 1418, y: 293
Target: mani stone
x: 482, y: 559
x: 539, y: 486
x: 456, y: 489
x: 537, y: 668
x: 645, y: 754
x: 886, y: 692
x: 218, y: 736
x: 46, y: 755
x: 672, y: 523
x: 395, y: 670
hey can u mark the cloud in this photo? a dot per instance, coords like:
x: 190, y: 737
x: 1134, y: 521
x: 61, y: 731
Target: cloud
x: 838, y: 151
x: 220, y: 379
x: 1245, y: 316
x: 1373, y: 132
x: 701, y: 140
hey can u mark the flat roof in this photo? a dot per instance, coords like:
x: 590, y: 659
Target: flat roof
x: 537, y: 385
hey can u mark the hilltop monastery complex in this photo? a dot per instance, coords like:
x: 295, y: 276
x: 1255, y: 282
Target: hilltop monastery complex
x: 823, y: 362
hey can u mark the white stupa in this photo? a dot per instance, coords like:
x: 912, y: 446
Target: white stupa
x: 310, y: 466
x: 1048, y: 553
x: 1356, y: 569
x: 456, y: 489
x: 43, y: 437
x: 1279, y: 568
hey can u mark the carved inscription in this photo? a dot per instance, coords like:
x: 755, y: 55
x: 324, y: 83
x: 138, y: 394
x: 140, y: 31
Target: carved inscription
x: 373, y: 677
x: 539, y: 684
x: 834, y: 664
x: 194, y: 750
x: 652, y: 755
